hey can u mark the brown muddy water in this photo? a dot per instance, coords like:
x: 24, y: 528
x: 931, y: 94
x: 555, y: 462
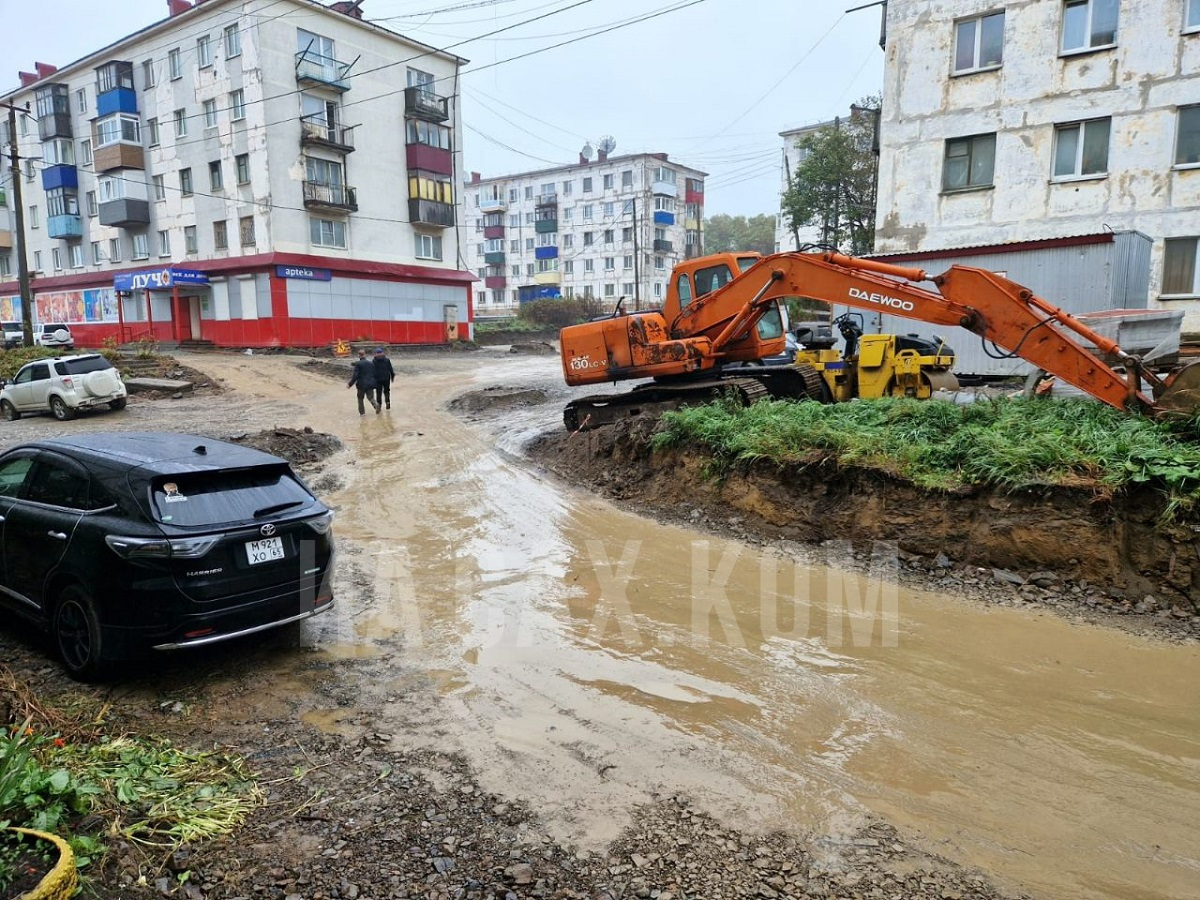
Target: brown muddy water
x: 585, y: 659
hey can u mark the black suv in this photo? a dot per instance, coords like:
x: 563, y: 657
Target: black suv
x: 115, y: 543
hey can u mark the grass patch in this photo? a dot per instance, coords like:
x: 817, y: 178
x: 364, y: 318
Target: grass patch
x: 1003, y: 442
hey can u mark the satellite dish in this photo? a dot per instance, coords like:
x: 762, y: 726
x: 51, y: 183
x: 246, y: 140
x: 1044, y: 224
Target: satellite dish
x: 587, y: 151
x: 608, y: 144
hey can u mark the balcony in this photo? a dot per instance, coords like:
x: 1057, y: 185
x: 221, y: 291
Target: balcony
x: 53, y: 111
x: 551, y: 277
x: 691, y: 224
x: 429, y: 159
x: 118, y: 156
x: 321, y: 71
x: 664, y: 189
x: 495, y: 282
x: 64, y: 227
x: 336, y: 198
x: 545, y: 226
x: 493, y: 232
x: 124, y: 212
x: 6, y: 240
x: 315, y: 130
x: 691, y: 195
x: 546, y: 200
x: 545, y: 253
x: 54, y: 125
x: 118, y: 100
x: 662, y: 217
x: 663, y: 247
x: 422, y: 104
x: 430, y: 212
x: 495, y: 258
x: 691, y: 251
x: 493, y: 204
x: 54, y: 177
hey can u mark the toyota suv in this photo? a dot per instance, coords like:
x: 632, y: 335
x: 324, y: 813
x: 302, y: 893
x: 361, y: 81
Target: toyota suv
x: 63, y: 386
x: 53, y: 335
x: 121, y: 543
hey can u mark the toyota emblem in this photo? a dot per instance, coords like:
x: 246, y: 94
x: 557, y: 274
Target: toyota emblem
x: 267, y: 530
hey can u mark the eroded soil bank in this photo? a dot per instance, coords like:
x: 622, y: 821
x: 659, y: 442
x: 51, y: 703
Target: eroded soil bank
x: 1069, y: 545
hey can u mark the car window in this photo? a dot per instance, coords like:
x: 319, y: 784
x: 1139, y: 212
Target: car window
x: 39, y: 372
x: 684, y: 287
x: 711, y: 278
x: 221, y: 498
x: 12, y: 326
x: 24, y: 376
x: 12, y: 475
x: 747, y: 262
x: 83, y: 365
x: 58, y: 483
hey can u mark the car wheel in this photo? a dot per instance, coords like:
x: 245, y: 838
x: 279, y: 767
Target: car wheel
x: 61, y: 411
x: 78, y: 637
x: 119, y: 403
x: 9, y: 411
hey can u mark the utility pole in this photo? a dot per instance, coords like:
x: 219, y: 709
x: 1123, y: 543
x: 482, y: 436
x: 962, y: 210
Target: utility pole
x: 637, y: 262
x: 14, y: 158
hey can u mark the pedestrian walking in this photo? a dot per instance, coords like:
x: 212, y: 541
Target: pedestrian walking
x: 362, y: 376
x: 384, y: 376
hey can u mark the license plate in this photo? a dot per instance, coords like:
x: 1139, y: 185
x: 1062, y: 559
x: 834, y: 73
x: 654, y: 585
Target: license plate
x: 265, y: 550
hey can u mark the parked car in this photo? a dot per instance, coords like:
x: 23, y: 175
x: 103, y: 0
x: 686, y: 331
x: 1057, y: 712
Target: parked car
x: 14, y: 334
x: 63, y: 386
x: 118, y: 543
x: 53, y: 335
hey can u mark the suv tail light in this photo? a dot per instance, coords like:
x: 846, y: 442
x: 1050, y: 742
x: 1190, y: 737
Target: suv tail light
x: 160, y: 548
x: 320, y: 524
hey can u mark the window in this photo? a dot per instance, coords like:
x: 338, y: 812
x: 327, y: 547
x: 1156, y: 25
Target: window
x: 664, y: 204
x: 528, y: 218
x: 568, y: 240
x: 567, y: 213
x: 589, y: 265
x: 111, y: 187
x: 164, y: 243
x: 175, y: 64
x: 587, y: 185
x: 514, y: 246
x: 160, y: 187
x: 241, y: 162
x: 327, y: 232
x: 626, y: 235
x: 969, y: 163
x: 627, y: 262
x: 660, y: 263
x: 610, y: 264
x: 141, y: 246
x: 658, y: 289
x: 610, y: 210
x: 610, y: 290
x: 529, y: 270
x: 56, y: 259
x: 215, y: 180
x: 528, y: 243
x: 589, y: 237
x: 1187, y: 141
x: 180, y: 123
x: 979, y: 43
x: 516, y: 271
x: 189, y: 238
x: 37, y: 260
x: 429, y: 134
x: 587, y: 212
x: 627, y: 178
x: 220, y: 235
x: 118, y: 129
x: 665, y: 175
x: 58, y: 152
x: 608, y: 236
x: 148, y: 73
x: 608, y: 182
x: 152, y: 131
x: 429, y: 246
x: 566, y: 189
x: 1181, y: 274
x: 1192, y: 18
x: 77, y: 255
x: 97, y: 254
x: 1081, y: 149
x: 513, y: 195
x: 114, y: 250
x: 85, y: 152
x: 185, y: 182
x: 1088, y: 24
x: 204, y: 51
x: 422, y: 80
x: 61, y: 202
x: 81, y: 100
x: 34, y: 218
x: 246, y: 231
x: 210, y: 113
x: 233, y: 41
x: 237, y: 105
x: 568, y: 267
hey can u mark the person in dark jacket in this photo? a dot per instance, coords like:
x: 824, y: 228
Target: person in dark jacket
x: 384, y: 376
x: 362, y: 376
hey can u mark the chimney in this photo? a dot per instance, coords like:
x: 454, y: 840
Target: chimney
x: 583, y: 160
x: 175, y: 7
x: 44, y: 70
x: 28, y: 78
x: 351, y: 8
x: 602, y: 155
x: 476, y: 178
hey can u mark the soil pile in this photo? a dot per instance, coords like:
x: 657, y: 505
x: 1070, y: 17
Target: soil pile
x: 298, y: 446
x: 327, y: 368
x: 534, y: 348
x: 495, y: 399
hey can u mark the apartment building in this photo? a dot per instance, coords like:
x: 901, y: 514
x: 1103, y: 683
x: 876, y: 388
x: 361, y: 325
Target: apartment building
x: 245, y: 172
x: 787, y: 239
x: 1045, y: 120
x: 606, y: 228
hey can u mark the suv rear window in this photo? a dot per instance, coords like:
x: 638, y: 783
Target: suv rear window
x: 82, y: 366
x: 222, y: 498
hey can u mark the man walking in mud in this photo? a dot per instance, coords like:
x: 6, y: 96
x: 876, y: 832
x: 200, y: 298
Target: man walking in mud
x: 384, y: 376
x: 362, y: 376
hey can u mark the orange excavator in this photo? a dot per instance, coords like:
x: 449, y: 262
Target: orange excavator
x: 724, y: 309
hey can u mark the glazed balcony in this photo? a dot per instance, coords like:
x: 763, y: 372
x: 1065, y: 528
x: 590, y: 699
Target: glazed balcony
x: 545, y: 253
x: 495, y: 258
x: 662, y: 217
x: 64, y: 227
x: 547, y: 200
x: 429, y: 159
x: 493, y: 204
x: 124, y: 213
x: 422, y: 104
x: 691, y: 195
x: 430, y: 212
x: 663, y: 247
x: 316, y: 70
x: 545, y: 226
x: 118, y: 156
x: 337, y: 198
x: 495, y: 282
x: 664, y: 189
x: 6, y: 239
x: 493, y: 232
x: 315, y: 131
x: 551, y: 277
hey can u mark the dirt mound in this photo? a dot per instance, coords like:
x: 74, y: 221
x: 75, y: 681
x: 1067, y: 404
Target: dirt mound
x: 298, y: 446
x: 534, y: 348
x: 327, y: 368
x: 1110, y: 554
x: 497, y: 399
x: 166, y: 367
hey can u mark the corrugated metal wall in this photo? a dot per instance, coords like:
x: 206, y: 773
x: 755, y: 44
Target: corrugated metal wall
x: 1080, y: 279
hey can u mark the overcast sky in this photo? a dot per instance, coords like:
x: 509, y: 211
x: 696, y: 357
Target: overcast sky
x: 712, y: 84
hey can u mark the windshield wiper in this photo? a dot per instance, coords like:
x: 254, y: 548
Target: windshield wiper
x: 278, y: 507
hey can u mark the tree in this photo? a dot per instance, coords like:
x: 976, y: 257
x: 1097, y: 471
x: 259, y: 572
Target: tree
x: 732, y: 233
x: 834, y: 185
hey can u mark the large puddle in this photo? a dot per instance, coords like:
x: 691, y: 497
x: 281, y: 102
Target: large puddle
x: 587, y: 659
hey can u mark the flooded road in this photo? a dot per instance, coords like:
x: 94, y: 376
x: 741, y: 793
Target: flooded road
x: 586, y: 659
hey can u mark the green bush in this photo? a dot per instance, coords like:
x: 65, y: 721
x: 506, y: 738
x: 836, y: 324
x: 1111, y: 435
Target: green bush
x: 559, y: 313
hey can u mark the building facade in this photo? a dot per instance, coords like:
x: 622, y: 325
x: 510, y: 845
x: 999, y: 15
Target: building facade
x: 245, y: 172
x: 609, y: 228
x: 1045, y: 119
x: 787, y: 239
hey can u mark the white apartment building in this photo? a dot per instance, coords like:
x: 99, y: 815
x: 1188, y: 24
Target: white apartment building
x: 245, y: 172
x: 608, y: 228
x: 1045, y: 119
x: 788, y: 240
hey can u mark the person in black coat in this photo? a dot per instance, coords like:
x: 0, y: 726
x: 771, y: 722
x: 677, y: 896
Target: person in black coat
x: 362, y: 376
x: 384, y: 376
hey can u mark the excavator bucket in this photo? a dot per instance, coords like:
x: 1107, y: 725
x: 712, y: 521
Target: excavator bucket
x: 1181, y: 395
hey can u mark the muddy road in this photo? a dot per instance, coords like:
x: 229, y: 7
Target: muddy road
x: 589, y: 661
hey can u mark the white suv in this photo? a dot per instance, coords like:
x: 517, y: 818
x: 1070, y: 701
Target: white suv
x: 63, y: 386
x: 53, y: 336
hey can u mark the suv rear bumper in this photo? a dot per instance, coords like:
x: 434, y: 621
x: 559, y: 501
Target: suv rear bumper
x: 232, y: 635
